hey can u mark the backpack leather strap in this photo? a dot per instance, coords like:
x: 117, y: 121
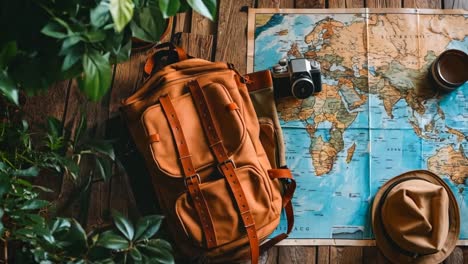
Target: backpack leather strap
x: 289, y: 187
x: 169, y: 50
x: 192, y: 179
x: 226, y: 167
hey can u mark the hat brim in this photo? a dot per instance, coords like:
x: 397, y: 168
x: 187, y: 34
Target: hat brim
x: 388, y: 247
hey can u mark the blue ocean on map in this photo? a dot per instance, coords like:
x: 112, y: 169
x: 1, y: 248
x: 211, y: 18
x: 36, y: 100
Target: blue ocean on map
x: 376, y: 146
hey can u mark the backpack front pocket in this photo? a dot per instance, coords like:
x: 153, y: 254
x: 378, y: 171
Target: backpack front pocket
x: 228, y: 225
x: 164, y: 150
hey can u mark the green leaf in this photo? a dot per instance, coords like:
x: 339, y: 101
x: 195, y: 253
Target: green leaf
x: 158, y: 249
x: 148, y: 226
x: 60, y: 224
x: 69, y: 42
x: 74, y: 241
x: 34, y: 204
x: 97, y: 75
x: 124, y: 52
x: 100, y: 14
x: 54, y: 126
x: 105, y: 168
x: 169, y: 7
x: 109, y: 239
x: 7, y: 52
x: 121, y: 12
x: 5, y: 184
x: 82, y: 126
x: 29, y: 172
x: 103, y: 147
x: 8, y: 88
x: 55, y: 30
x: 123, y: 224
x: 135, y: 254
x: 72, y: 57
x: 206, y: 8
x: 93, y: 36
x: 149, y: 24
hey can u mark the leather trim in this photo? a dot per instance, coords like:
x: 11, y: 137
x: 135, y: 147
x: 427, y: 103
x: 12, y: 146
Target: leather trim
x: 226, y: 167
x: 289, y: 189
x: 153, y: 138
x: 192, y: 179
x: 258, y: 80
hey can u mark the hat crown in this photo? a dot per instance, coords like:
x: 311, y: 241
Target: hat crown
x: 415, y: 214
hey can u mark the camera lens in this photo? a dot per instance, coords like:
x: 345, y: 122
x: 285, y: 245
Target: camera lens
x: 302, y: 88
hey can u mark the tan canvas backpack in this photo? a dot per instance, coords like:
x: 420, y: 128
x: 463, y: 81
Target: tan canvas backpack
x: 196, y: 126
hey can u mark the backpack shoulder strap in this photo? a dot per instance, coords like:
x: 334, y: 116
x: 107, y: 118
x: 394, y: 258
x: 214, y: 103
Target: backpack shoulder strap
x: 226, y: 166
x: 168, y: 51
x: 192, y: 179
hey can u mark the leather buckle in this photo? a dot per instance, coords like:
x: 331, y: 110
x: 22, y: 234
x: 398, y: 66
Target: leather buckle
x: 189, y: 178
x: 226, y: 162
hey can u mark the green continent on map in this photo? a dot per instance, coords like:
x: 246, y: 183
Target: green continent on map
x: 450, y: 162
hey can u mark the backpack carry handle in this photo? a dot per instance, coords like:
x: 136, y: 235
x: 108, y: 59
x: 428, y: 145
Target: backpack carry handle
x: 168, y: 51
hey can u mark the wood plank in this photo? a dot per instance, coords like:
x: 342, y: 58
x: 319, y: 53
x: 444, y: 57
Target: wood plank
x: 422, y: 3
x: 50, y: 103
x: 465, y: 253
x: 297, y: 255
x: 345, y: 3
x: 183, y: 22
x: 323, y: 255
x: 202, y: 25
x: 384, y: 3
x: 231, y: 44
x: 270, y: 256
x: 345, y: 255
x: 455, y: 4
x: 456, y: 257
x: 310, y: 4
x: 372, y: 255
x: 199, y: 46
x: 275, y: 3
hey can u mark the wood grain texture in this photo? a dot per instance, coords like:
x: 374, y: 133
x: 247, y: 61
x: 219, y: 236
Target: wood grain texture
x: 182, y: 22
x: 422, y: 3
x: 199, y: 46
x: 323, y: 254
x: 456, y: 257
x: 231, y: 44
x: 297, y: 255
x: 202, y: 25
x: 310, y: 4
x: 50, y: 103
x: 456, y: 4
x: 372, y: 255
x: 269, y: 257
x: 345, y: 3
x: 275, y: 3
x: 345, y: 255
x: 384, y: 3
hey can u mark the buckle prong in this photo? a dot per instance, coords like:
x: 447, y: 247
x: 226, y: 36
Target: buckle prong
x: 226, y: 162
x: 189, y: 178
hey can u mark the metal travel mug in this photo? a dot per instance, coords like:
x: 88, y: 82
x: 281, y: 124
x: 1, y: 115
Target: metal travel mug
x: 450, y: 70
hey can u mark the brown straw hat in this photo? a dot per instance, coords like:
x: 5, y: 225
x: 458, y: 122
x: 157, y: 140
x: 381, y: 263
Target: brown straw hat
x: 415, y: 218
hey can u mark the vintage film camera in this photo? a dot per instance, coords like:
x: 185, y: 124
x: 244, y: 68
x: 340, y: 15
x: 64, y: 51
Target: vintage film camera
x: 297, y: 77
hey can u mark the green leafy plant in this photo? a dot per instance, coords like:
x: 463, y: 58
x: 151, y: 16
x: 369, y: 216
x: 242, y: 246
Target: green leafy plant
x: 44, y: 41
x: 30, y: 223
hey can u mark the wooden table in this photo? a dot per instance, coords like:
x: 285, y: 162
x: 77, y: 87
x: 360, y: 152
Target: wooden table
x: 224, y: 40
